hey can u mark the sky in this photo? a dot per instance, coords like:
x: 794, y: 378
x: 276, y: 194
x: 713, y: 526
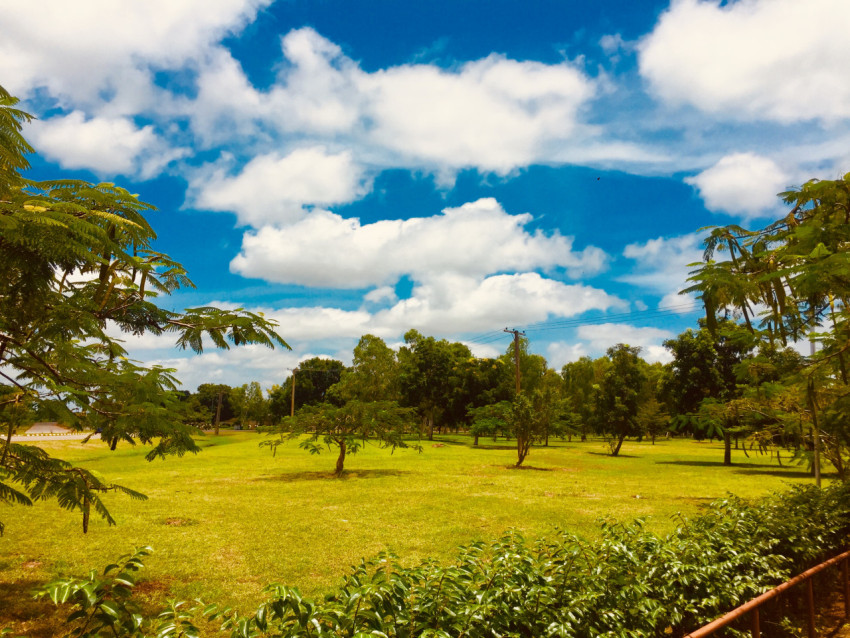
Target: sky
x: 454, y: 166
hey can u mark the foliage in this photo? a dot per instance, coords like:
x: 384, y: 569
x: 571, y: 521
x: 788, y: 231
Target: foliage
x: 373, y: 375
x: 629, y: 583
x: 313, y: 378
x: 249, y: 404
x: 346, y: 428
x: 104, y: 604
x: 796, y: 272
x: 431, y: 373
x: 77, y: 267
x: 619, y: 395
x: 490, y: 420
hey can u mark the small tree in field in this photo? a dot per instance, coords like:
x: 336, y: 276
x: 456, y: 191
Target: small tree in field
x: 347, y: 428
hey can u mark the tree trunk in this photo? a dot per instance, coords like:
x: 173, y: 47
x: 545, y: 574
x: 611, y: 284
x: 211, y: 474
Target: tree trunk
x: 430, y: 427
x: 218, y: 413
x: 727, y: 448
x: 616, y: 450
x: 476, y: 440
x: 522, y: 446
x: 340, y: 461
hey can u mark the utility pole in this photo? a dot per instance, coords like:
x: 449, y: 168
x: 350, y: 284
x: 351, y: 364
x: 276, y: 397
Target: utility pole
x: 516, y: 334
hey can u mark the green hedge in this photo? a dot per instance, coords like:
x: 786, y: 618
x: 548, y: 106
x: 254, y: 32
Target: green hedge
x: 630, y: 583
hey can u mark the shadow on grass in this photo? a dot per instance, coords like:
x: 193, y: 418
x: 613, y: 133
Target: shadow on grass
x: 494, y: 446
x: 529, y: 467
x: 619, y: 456
x: 753, y: 469
x: 322, y: 476
x: 34, y: 618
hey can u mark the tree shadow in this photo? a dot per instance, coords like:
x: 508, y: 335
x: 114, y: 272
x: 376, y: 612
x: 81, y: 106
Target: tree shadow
x: 529, y: 467
x: 36, y: 618
x: 619, y: 456
x: 494, y: 446
x: 347, y: 475
x: 751, y: 469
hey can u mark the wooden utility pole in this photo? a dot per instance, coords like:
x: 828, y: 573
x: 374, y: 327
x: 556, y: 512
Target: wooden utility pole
x: 516, y: 334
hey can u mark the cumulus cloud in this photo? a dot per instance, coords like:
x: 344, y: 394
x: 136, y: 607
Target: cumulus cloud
x: 782, y: 60
x: 662, y: 267
x: 274, y: 189
x: 559, y: 353
x: 451, y: 303
x: 478, y: 238
x: 495, y: 114
x: 601, y: 337
x: 105, y: 145
x: 742, y: 184
x: 114, y: 48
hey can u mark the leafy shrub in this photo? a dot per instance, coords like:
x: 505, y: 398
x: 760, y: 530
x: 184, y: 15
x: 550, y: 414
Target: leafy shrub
x: 630, y: 583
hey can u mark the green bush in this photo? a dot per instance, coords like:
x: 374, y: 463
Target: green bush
x: 628, y: 584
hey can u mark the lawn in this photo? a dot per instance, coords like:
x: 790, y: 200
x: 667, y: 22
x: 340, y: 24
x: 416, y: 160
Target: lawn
x: 233, y: 518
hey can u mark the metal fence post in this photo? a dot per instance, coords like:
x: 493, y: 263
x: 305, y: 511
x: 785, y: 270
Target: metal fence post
x: 811, y: 604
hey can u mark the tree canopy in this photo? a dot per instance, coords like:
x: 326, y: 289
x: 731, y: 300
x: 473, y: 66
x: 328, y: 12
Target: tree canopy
x: 78, y: 269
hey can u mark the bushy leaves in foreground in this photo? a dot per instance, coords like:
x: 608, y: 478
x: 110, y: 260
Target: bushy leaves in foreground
x: 630, y: 583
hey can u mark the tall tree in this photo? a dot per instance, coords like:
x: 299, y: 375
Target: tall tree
x: 797, y: 270
x: 619, y: 396
x: 77, y: 264
x: 430, y: 376
x: 374, y: 373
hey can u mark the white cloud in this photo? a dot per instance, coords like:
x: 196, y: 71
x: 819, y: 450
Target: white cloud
x: 101, y: 51
x: 662, y: 267
x: 495, y: 114
x: 475, y: 239
x: 560, y: 353
x: 601, y: 337
x: 274, y: 189
x: 105, y: 145
x: 380, y: 295
x: 743, y: 184
x: 450, y: 303
x: 783, y: 60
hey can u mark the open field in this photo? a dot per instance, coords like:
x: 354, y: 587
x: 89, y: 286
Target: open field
x: 233, y: 518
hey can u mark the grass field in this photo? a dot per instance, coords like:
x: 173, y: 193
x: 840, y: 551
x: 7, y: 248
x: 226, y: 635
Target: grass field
x: 233, y: 518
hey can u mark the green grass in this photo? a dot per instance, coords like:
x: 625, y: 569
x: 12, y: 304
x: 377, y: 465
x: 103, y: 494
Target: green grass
x: 233, y: 518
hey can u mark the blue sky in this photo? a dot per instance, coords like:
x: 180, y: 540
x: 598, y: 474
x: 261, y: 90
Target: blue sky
x: 352, y: 167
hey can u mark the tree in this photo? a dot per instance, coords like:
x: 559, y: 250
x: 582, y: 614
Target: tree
x: 430, y: 376
x: 313, y: 378
x: 250, y: 404
x: 703, y: 377
x: 619, y: 395
x: 374, y: 374
x: 797, y: 270
x: 77, y: 265
x: 216, y: 399
x: 346, y: 428
x: 490, y: 420
x: 581, y: 382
